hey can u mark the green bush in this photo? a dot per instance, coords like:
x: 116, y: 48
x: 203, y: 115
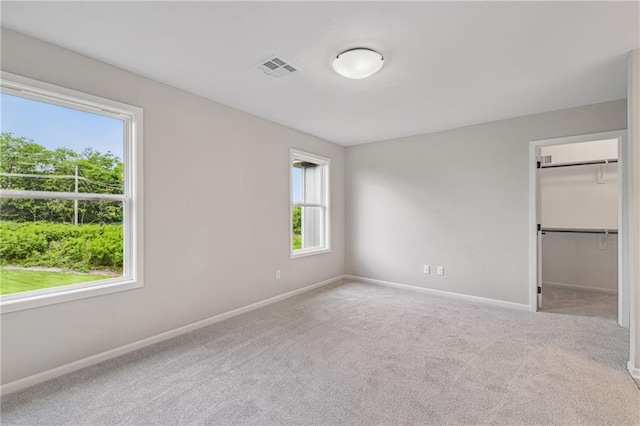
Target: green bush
x: 21, y: 244
x: 297, y: 242
x: 81, y: 248
x: 297, y: 220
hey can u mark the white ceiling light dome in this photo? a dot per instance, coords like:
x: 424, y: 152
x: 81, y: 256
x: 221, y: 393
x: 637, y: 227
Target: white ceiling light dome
x: 358, y: 63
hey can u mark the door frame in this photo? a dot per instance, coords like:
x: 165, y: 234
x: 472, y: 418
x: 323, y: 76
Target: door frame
x: 624, y: 187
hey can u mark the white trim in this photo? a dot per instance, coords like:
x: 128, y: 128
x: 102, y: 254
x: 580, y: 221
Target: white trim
x: 133, y: 214
x: 533, y: 229
x: 51, y: 296
x: 307, y: 205
x: 38, y: 90
x: 580, y: 287
x: 633, y: 205
x: 635, y: 372
x: 624, y: 217
x: 113, y: 353
x: 590, y: 137
x: 624, y: 180
x: 449, y: 294
x: 309, y: 252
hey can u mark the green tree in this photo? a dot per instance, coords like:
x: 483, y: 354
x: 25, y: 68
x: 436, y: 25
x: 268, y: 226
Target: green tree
x: 26, y: 165
x: 297, y: 220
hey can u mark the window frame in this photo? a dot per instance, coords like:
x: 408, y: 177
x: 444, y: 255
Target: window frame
x: 132, y: 196
x: 325, y: 163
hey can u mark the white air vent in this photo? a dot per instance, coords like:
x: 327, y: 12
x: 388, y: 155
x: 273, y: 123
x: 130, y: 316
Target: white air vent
x: 277, y: 67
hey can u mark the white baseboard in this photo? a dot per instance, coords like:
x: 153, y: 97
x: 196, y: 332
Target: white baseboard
x: 635, y: 372
x: 460, y: 296
x: 580, y: 287
x: 103, y: 356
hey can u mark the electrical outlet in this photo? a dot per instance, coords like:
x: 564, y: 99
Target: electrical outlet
x: 278, y: 274
x: 440, y: 270
x: 427, y: 269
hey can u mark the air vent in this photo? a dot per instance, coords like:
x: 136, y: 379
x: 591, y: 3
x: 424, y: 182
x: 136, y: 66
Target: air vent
x: 277, y: 67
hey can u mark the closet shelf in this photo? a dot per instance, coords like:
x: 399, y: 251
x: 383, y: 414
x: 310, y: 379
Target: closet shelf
x: 578, y: 163
x: 581, y: 230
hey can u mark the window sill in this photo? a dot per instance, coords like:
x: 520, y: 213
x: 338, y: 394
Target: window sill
x: 39, y: 298
x: 310, y: 252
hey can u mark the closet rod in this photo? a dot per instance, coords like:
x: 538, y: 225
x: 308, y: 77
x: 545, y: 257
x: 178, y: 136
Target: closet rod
x: 578, y: 163
x: 581, y: 230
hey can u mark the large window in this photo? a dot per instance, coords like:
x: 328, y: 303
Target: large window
x: 70, y: 194
x: 309, y: 204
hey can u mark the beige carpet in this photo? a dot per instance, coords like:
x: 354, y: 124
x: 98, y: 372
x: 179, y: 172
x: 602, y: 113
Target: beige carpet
x: 569, y: 301
x: 357, y: 354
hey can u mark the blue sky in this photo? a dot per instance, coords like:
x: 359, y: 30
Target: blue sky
x: 297, y: 182
x: 54, y: 126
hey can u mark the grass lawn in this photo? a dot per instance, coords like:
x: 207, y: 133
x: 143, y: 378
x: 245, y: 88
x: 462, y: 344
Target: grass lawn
x: 18, y: 280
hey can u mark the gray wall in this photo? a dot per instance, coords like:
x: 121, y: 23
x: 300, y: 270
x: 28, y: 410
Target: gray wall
x: 216, y: 216
x: 457, y: 198
x: 579, y: 260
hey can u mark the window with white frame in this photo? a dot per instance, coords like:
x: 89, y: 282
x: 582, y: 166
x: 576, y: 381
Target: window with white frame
x: 70, y: 194
x: 309, y: 204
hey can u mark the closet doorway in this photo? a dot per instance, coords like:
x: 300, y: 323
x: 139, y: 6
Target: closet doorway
x: 578, y: 240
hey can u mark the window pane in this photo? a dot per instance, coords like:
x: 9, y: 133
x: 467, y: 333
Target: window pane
x: 40, y: 246
x: 312, y: 183
x: 309, y: 186
x: 297, y: 228
x: 46, y: 147
x: 308, y: 224
x: 297, y: 182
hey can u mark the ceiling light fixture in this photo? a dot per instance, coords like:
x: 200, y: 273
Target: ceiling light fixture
x: 358, y: 63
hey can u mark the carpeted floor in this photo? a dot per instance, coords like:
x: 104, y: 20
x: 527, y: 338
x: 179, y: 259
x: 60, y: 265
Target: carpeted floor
x: 357, y: 354
x: 579, y: 302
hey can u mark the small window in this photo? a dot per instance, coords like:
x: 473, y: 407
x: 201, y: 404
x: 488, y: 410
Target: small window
x: 309, y: 204
x: 70, y: 212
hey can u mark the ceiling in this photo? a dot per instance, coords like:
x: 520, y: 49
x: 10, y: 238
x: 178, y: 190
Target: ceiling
x: 447, y: 65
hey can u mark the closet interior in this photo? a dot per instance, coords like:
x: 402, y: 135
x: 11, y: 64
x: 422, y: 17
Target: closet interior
x: 578, y: 212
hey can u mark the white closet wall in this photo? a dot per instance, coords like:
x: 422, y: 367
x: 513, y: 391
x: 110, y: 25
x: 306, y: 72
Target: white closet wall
x: 571, y: 197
